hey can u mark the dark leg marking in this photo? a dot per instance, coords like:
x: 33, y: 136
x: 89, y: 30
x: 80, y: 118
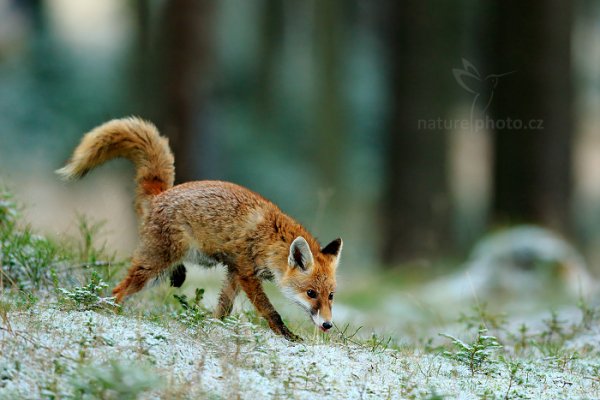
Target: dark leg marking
x: 178, y: 275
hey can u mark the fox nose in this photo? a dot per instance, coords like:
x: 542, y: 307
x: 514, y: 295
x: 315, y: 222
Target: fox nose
x: 327, y: 325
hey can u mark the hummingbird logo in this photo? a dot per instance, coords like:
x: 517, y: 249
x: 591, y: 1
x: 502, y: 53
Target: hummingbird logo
x: 473, y: 82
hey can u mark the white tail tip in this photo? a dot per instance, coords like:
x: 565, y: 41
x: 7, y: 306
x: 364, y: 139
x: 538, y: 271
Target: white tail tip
x: 66, y: 173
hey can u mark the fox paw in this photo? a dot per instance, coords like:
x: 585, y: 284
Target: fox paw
x: 291, y: 336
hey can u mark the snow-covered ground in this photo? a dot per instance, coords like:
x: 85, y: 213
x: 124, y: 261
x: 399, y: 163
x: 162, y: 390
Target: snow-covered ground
x: 429, y: 341
x: 49, y: 353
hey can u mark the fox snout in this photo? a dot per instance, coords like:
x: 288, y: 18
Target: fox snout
x: 323, y: 324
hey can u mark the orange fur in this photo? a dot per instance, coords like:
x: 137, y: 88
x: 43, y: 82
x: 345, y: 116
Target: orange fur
x: 131, y: 138
x: 219, y: 221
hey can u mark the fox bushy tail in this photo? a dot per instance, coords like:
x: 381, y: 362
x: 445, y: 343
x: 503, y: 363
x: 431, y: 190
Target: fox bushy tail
x: 131, y: 138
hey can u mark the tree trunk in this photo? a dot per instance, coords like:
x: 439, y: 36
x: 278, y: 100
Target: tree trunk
x: 416, y: 206
x: 186, y: 41
x: 533, y: 162
x: 329, y: 20
x: 169, y: 67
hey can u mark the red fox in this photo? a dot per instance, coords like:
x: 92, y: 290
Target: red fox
x: 209, y: 223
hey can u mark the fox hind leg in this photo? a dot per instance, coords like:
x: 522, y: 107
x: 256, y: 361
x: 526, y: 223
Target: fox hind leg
x: 142, y: 270
x: 230, y: 290
x: 135, y: 281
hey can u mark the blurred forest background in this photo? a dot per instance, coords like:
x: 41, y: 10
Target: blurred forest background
x: 358, y: 118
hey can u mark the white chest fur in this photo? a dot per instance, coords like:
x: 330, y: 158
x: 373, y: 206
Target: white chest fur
x: 195, y: 257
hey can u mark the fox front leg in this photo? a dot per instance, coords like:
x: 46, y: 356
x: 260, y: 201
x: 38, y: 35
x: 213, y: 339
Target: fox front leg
x: 254, y: 290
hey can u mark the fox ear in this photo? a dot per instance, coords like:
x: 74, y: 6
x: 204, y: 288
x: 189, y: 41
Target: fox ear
x: 300, y: 254
x: 334, y: 248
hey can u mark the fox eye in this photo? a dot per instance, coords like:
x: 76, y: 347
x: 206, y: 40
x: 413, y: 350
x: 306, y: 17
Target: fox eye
x: 311, y: 293
x: 331, y: 296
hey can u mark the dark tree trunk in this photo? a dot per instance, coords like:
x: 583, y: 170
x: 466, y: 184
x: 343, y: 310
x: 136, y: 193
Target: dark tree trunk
x: 328, y: 40
x: 532, y: 163
x: 185, y: 59
x: 143, y: 97
x: 271, y: 27
x: 416, y: 206
x: 170, y: 64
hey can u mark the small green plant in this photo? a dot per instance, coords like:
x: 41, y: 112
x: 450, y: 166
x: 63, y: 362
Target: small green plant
x: 9, y: 209
x: 522, y: 340
x: 565, y: 359
x: 588, y: 313
x: 192, y: 313
x: 31, y: 262
x: 88, y: 297
x: 378, y: 344
x: 552, y: 338
x: 25, y: 258
x: 25, y: 300
x: 115, y: 380
x: 91, y: 255
x: 343, y: 335
x: 87, y: 251
x: 554, y: 328
x: 434, y: 395
x: 513, y: 379
x: 5, y: 308
x: 474, y: 355
x: 480, y: 315
x: 16, y: 301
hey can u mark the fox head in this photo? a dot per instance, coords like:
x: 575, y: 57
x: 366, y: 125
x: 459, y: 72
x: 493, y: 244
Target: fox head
x: 309, y: 279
